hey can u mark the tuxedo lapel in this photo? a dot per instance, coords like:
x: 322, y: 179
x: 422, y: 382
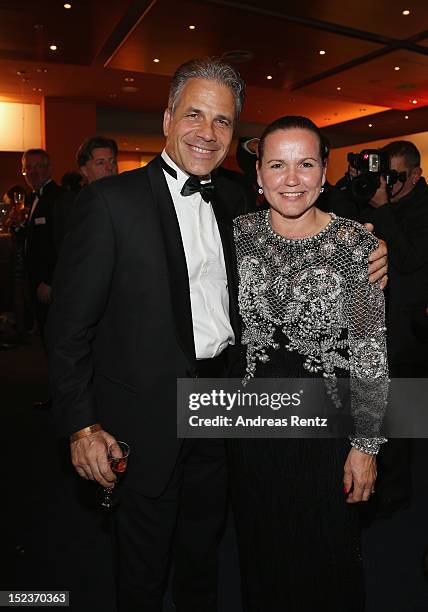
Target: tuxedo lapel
x: 178, y: 273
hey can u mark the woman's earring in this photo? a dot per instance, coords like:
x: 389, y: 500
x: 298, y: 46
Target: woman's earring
x: 322, y: 189
x: 260, y: 191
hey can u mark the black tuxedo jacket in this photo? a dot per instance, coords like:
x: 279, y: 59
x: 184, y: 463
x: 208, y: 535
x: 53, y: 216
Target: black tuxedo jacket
x: 120, y: 327
x: 41, y: 253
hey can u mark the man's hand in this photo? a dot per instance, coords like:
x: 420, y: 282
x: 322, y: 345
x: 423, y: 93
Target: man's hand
x: 359, y: 471
x: 44, y: 293
x: 89, y: 457
x: 380, y: 198
x: 378, y: 262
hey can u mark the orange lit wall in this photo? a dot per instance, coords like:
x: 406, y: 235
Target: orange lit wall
x: 65, y: 124
x: 337, y: 164
x: 127, y: 160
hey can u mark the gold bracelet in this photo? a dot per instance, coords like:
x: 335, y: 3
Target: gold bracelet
x: 86, y: 431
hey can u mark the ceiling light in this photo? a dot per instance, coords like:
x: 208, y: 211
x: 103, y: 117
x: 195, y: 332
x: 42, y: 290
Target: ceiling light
x: 67, y: 5
x: 53, y: 47
x: 41, y: 70
x: 156, y: 60
x: 112, y: 95
x: 21, y: 72
x: 338, y: 88
x: 414, y: 101
x: 129, y: 79
x: 396, y: 67
x: 269, y: 77
x: 406, y: 116
x: 137, y: 148
x: 322, y: 52
x: 192, y: 27
x: 37, y: 89
x: 370, y: 124
x: 406, y: 12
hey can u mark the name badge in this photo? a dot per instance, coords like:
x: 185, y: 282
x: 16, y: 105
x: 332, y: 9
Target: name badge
x: 40, y: 221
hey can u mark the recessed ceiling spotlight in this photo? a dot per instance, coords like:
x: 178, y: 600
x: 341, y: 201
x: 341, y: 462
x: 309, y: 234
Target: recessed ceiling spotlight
x: 137, y: 148
x: 406, y: 116
x: 37, y: 89
x: 396, y: 67
x: 414, y: 101
x: 156, y: 60
x: 370, y: 124
x: 67, y: 5
x: 41, y: 70
x: 339, y: 88
x: 25, y: 79
x: 129, y: 79
x: 406, y: 12
x: 112, y: 95
x: 21, y: 72
x: 322, y: 52
x: 192, y: 27
x: 53, y: 47
x: 269, y: 77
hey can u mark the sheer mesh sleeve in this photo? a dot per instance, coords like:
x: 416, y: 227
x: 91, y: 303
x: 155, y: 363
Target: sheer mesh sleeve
x: 367, y: 355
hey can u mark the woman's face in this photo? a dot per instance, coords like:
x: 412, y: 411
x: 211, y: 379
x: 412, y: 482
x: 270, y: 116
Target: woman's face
x: 291, y: 172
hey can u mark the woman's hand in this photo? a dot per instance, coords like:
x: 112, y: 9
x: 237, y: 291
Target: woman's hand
x: 360, y: 472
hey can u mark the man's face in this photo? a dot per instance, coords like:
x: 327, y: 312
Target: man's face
x: 199, y: 131
x: 413, y: 175
x: 103, y: 163
x: 37, y: 170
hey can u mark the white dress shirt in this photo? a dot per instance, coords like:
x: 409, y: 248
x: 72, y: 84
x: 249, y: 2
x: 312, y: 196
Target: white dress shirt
x: 209, y: 297
x: 36, y: 200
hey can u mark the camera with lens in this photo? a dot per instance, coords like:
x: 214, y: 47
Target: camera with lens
x: 370, y: 165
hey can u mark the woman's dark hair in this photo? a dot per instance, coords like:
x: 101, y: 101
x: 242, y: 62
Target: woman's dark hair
x: 294, y: 121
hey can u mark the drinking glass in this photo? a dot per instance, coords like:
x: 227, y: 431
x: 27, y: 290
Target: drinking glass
x: 118, y: 466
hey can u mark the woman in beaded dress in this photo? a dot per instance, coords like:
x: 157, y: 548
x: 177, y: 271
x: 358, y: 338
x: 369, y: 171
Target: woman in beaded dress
x: 308, y: 310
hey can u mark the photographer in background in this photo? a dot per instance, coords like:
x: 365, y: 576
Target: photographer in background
x: 400, y: 215
x: 399, y: 210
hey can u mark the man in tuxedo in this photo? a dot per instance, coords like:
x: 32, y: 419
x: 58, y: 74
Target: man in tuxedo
x: 40, y: 250
x: 145, y: 293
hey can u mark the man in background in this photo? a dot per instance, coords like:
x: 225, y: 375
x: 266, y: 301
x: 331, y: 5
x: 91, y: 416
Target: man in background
x: 41, y: 254
x: 96, y: 159
x: 401, y: 219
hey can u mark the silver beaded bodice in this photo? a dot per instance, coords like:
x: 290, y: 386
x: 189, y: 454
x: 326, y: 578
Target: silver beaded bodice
x: 316, y: 293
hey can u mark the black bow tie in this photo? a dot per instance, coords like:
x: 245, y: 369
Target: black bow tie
x: 192, y: 185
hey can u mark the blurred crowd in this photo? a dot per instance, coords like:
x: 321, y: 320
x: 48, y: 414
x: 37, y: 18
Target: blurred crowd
x: 34, y: 217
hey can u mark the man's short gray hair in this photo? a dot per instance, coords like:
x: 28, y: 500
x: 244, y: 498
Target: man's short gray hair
x: 210, y: 68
